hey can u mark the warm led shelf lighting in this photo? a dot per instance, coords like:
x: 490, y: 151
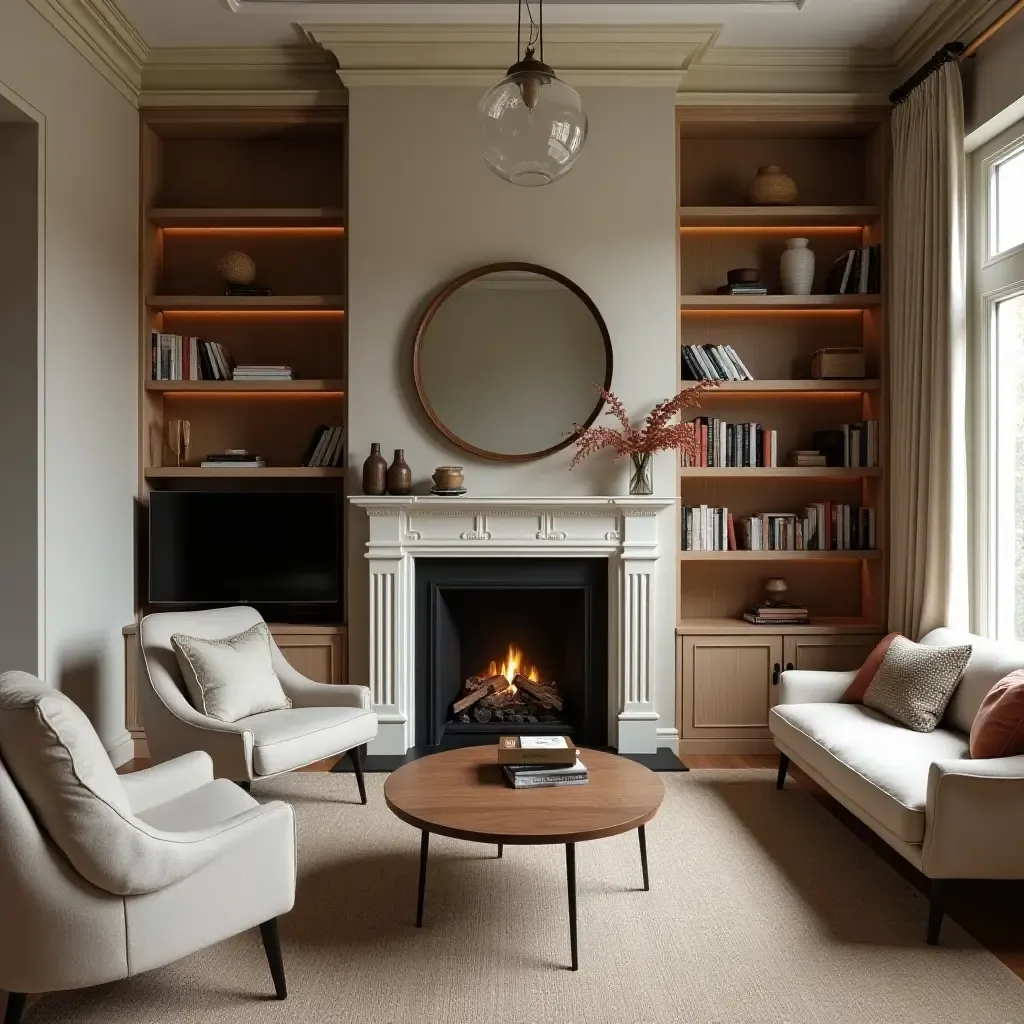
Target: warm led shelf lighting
x: 786, y: 231
x: 272, y: 232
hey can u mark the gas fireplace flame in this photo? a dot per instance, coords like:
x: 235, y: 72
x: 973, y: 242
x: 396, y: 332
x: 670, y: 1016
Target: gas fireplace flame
x: 514, y: 664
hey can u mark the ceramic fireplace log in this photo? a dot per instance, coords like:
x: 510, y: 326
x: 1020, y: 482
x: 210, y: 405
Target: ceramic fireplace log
x: 541, y: 694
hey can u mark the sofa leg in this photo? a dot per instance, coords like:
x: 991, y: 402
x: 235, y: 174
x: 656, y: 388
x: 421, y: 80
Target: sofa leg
x: 247, y: 786
x: 357, y: 767
x: 937, y: 909
x: 780, y: 781
x: 272, y: 947
x: 15, y: 1007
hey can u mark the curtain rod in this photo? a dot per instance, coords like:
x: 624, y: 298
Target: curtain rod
x: 954, y: 51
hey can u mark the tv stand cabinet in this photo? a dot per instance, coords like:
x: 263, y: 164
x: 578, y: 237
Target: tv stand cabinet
x: 318, y: 652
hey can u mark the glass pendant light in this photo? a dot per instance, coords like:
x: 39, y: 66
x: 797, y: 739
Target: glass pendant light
x: 533, y: 123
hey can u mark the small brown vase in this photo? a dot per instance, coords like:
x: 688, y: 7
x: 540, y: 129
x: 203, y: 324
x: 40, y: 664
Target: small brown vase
x: 375, y: 472
x: 772, y: 188
x: 399, y: 475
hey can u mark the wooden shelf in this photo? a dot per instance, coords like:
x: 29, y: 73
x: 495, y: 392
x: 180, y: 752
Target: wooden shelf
x: 775, y: 556
x: 268, y: 472
x: 252, y: 386
x: 821, y: 626
x: 858, y: 384
x: 247, y: 217
x: 281, y: 303
x: 777, y: 472
x: 778, y: 216
x: 699, y: 303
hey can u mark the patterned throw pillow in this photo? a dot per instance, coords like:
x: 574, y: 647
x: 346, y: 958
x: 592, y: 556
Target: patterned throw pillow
x: 915, y: 682
x: 231, y: 678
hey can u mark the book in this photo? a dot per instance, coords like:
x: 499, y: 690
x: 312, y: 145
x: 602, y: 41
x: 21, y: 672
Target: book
x: 524, y: 750
x: 532, y: 776
x: 758, y: 620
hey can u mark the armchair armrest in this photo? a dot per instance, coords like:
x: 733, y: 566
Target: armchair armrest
x: 800, y: 686
x: 305, y: 693
x: 164, y: 782
x: 975, y: 819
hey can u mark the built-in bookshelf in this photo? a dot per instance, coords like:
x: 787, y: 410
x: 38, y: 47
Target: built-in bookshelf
x: 727, y: 668
x: 270, y: 183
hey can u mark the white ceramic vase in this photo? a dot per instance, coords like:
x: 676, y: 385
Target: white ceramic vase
x: 797, y: 267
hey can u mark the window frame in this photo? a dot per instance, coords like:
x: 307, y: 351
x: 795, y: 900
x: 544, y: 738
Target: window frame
x: 992, y: 278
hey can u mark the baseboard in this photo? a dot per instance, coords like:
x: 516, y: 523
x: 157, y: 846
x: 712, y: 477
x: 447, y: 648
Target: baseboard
x: 122, y: 751
x: 141, y: 746
x: 726, y: 747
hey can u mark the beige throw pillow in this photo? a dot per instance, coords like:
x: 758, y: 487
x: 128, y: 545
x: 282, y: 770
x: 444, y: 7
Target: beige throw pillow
x: 231, y: 678
x: 915, y: 682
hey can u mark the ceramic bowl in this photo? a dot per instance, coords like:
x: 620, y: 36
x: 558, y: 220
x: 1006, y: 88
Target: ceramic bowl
x: 448, y: 477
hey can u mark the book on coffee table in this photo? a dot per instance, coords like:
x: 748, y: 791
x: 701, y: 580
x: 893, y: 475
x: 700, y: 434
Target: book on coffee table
x: 529, y: 776
x: 525, y: 750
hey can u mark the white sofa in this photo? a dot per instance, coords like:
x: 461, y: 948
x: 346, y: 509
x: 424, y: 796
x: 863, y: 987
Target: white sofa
x: 950, y: 816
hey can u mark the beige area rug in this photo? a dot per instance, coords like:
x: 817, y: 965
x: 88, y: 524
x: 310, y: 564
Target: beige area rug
x: 764, y: 909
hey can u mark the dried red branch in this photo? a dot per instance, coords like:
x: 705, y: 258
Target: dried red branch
x: 659, y: 433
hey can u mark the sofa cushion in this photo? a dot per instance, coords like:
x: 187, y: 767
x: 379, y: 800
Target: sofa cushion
x: 881, y: 766
x: 991, y: 660
x: 998, y: 729
x: 866, y: 673
x: 915, y: 682
x: 230, y: 678
x: 286, y: 740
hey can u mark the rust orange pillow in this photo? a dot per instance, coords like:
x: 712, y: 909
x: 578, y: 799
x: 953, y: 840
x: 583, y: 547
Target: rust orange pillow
x: 998, y: 729
x: 856, y: 690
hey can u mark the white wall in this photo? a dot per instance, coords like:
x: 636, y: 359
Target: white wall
x: 424, y: 208
x: 90, y: 361
x: 994, y: 79
x: 20, y: 537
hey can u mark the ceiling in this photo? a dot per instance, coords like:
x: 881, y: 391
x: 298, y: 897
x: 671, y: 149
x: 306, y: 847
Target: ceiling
x: 789, y: 24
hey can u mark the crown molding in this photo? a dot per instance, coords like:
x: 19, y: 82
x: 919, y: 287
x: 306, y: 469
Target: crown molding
x: 645, y: 55
x: 103, y: 36
x: 209, y: 76
x: 943, y: 22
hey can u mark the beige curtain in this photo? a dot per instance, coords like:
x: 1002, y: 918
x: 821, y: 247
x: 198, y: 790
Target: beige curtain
x: 927, y: 360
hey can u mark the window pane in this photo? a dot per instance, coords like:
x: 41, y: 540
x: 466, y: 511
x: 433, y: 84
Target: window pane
x: 1008, y: 189
x: 1009, y: 326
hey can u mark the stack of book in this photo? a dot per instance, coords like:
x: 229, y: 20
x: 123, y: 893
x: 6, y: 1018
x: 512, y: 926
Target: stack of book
x: 233, y: 458
x: 708, y: 529
x: 180, y: 357
x: 824, y: 526
x: 861, y: 443
x: 713, y: 362
x: 750, y: 288
x: 251, y: 372
x: 530, y: 762
x: 807, y: 457
x: 857, y: 272
x: 778, y: 613
x: 743, y: 445
x: 325, y: 447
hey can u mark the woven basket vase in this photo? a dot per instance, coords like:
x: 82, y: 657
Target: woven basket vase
x: 771, y: 188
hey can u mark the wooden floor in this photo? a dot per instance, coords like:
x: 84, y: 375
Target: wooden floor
x: 993, y: 912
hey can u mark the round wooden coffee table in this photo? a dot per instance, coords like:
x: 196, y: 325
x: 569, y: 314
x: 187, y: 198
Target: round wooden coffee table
x: 463, y: 794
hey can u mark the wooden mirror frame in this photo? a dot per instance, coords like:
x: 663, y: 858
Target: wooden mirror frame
x: 445, y: 293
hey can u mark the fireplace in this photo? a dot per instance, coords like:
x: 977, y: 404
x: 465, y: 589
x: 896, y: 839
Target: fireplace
x: 511, y: 645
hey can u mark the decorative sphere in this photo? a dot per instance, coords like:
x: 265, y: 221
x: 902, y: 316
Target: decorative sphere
x: 534, y: 127
x: 237, y: 267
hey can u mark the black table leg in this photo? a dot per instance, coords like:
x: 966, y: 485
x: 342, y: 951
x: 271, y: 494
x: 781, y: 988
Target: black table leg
x: 424, y: 847
x: 570, y: 875
x: 501, y: 849
x: 642, y: 832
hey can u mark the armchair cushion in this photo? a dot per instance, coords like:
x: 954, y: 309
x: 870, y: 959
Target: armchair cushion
x: 285, y: 740
x: 231, y: 678
x: 880, y: 765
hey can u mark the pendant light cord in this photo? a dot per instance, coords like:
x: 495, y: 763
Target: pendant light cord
x: 536, y: 33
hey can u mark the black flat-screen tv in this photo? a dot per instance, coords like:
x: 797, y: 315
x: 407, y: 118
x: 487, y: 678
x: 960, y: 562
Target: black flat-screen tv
x: 261, y: 548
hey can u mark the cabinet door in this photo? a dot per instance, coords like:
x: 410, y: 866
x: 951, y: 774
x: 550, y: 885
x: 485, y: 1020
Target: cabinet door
x: 318, y: 656
x: 835, y: 653
x: 728, y: 685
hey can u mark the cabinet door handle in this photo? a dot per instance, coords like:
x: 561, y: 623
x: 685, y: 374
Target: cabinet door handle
x: 789, y: 666
x: 775, y: 674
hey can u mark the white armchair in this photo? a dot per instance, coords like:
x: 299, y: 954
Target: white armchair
x: 324, y: 721
x: 104, y: 877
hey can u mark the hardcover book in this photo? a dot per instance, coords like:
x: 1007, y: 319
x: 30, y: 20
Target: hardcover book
x: 529, y: 750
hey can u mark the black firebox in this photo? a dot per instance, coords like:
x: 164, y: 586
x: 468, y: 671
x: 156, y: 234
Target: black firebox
x: 529, y: 634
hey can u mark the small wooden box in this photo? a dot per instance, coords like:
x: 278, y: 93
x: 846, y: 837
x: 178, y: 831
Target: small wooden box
x: 828, y: 363
x: 511, y: 752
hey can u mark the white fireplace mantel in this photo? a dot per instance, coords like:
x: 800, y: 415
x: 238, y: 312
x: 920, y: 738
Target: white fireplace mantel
x: 624, y: 530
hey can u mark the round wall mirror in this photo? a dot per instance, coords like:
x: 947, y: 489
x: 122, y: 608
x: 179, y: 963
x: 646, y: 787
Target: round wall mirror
x: 506, y: 359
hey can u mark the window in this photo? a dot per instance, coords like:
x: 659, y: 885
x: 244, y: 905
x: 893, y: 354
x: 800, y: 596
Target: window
x: 997, y: 385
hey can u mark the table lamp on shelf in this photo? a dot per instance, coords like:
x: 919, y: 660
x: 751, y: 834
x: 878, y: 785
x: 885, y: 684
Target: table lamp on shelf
x: 774, y: 588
